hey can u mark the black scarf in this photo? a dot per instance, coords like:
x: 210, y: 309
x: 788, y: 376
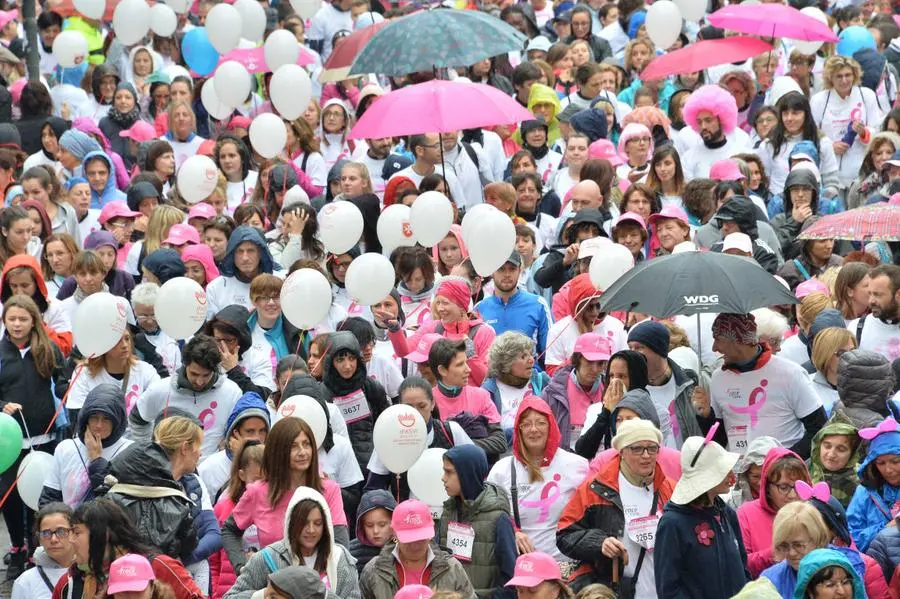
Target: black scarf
x: 126, y: 119
x: 538, y: 153
x: 338, y: 385
x: 715, y: 145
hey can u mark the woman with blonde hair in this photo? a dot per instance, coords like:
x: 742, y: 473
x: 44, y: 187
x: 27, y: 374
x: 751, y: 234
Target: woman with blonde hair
x: 161, y: 221
x: 795, y: 348
x: 871, y: 179
x: 851, y: 290
x: 182, y: 133
x: 638, y: 54
x: 827, y: 348
x: 798, y: 529
x: 847, y: 112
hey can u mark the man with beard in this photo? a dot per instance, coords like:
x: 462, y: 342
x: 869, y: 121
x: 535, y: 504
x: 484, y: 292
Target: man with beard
x: 711, y: 113
x: 513, y: 309
x: 879, y: 331
x: 374, y: 158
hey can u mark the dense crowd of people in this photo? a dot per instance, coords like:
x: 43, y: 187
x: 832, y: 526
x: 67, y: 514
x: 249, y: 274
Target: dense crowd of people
x: 586, y: 453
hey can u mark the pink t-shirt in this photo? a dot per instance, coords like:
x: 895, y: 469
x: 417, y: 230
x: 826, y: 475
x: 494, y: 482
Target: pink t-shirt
x: 472, y: 399
x: 254, y: 508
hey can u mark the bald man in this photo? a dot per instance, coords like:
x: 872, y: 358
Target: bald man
x: 585, y: 194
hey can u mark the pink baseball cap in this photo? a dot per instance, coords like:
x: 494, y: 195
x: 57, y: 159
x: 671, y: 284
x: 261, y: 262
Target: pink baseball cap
x: 593, y: 346
x: 238, y: 122
x: 420, y: 354
x: 670, y: 212
x: 534, y: 568
x: 605, y: 149
x: 725, y: 170
x: 130, y: 573
x: 632, y: 216
x: 140, y: 131
x: 201, y: 210
x: 414, y: 591
x: 412, y: 522
x: 181, y: 234
x: 6, y: 16
x: 116, y: 209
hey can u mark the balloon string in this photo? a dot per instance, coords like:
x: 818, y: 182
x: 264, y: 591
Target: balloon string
x: 62, y: 402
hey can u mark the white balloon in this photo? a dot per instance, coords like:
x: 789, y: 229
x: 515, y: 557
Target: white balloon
x: 281, y: 48
x: 493, y: 239
x: 663, y: 23
x: 176, y: 70
x: 692, y: 10
x: 163, y: 20
x: 131, y: 21
x: 290, y: 90
x: 424, y: 477
x: 180, y: 307
x: 232, y: 83
x: 310, y: 411
x: 340, y: 226
x: 215, y: 107
x: 295, y: 195
x: 810, y: 48
x: 99, y: 324
x: 33, y: 471
x: 472, y: 216
x: 179, y: 6
x: 306, y: 298
x: 197, y: 178
x: 306, y: 8
x: 430, y: 217
x: 268, y: 135
x: 70, y: 48
x: 253, y: 19
x: 92, y: 9
x: 370, y: 278
x: 399, y: 437
x: 610, y: 263
x: 223, y: 25
x: 393, y: 228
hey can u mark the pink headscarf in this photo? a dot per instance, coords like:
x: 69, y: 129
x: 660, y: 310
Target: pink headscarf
x: 202, y: 254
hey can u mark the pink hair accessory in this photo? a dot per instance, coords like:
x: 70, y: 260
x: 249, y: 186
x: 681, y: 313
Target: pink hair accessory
x: 820, y: 491
x: 888, y: 425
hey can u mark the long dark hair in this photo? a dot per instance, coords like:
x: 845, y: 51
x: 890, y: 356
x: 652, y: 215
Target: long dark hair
x: 794, y: 101
x: 658, y: 156
x: 110, y: 529
x: 299, y: 517
x: 276, y: 463
x: 309, y: 236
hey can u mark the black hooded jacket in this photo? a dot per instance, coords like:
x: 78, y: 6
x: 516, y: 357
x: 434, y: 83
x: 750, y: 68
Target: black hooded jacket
x: 101, y: 71
x: 599, y: 46
x: 234, y: 319
x: 786, y: 228
x: 742, y: 211
x: 360, y: 546
x: 553, y: 273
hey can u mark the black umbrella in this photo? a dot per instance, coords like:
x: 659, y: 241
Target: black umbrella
x: 693, y: 282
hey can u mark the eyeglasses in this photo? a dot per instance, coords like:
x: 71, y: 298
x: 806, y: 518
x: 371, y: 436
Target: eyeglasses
x: 61, y: 533
x: 265, y: 299
x: 537, y: 425
x: 639, y: 450
x: 784, y: 488
x: 796, y: 546
x: 832, y: 585
x: 640, y: 140
x: 434, y: 145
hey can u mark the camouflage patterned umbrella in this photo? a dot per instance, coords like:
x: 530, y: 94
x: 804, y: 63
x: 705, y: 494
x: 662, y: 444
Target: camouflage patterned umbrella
x: 876, y: 222
x: 436, y: 38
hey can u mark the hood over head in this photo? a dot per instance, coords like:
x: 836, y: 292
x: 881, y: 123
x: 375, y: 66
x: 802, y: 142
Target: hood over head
x: 530, y: 402
x: 865, y: 380
x: 591, y: 122
x: 801, y: 177
x: 456, y: 231
x: 249, y: 405
x: 819, y: 559
x: 334, y: 175
x: 872, y: 64
x: 581, y: 289
x: 587, y: 216
x: 144, y: 464
x: 741, y: 210
x: 541, y: 94
x: 164, y: 264
x: 339, y: 342
x: 775, y: 454
x: 137, y: 192
x: 25, y: 261
x: 756, y: 453
x: 110, y: 190
x: 471, y: 466
x: 639, y: 402
x: 886, y: 443
x: 107, y: 400
x: 376, y: 498
x: 299, y: 495
x: 299, y: 582
x: 79, y: 144
x: 59, y: 126
x: 240, y: 235
x: 101, y: 71
x: 202, y: 254
x: 234, y: 318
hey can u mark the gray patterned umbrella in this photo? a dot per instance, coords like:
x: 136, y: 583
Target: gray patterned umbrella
x: 436, y: 38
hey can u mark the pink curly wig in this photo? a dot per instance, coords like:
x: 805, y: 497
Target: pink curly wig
x: 717, y: 101
x: 634, y: 130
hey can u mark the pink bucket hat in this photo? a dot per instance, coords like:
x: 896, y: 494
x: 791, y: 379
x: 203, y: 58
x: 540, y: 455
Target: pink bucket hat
x: 594, y: 347
x: 130, y: 573
x: 725, y: 170
x: 632, y: 216
x: 412, y: 522
x: 182, y: 234
x: 140, y: 131
x: 116, y: 209
x: 670, y: 212
x: 420, y: 354
x: 534, y: 568
x: 604, y: 149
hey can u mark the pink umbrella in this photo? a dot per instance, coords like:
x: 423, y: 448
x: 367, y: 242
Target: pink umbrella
x: 438, y: 107
x: 772, y: 20
x: 703, y: 55
x: 254, y: 59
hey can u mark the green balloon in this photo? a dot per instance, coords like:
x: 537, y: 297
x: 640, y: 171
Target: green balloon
x: 10, y: 441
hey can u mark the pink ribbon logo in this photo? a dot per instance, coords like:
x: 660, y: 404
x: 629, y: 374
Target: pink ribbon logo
x: 755, y: 404
x: 549, y: 494
x: 208, y: 416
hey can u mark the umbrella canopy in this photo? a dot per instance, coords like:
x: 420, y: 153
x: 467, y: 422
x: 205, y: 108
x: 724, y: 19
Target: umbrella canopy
x: 438, y: 107
x: 703, y: 55
x: 772, y: 20
x: 437, y: 38
x: 693, y: 283
x: 254, y: 59
x: 337, y: 67
x: 877, y: 222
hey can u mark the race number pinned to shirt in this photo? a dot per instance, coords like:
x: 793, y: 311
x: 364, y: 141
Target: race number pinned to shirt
x: 460, y: 540
x: 353, y: 407
x: 643, y: 531
x: 738, y: 437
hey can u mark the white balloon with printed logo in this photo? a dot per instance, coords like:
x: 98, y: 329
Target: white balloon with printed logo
x: 281, y: 48
x: 430, y: 217
x: 400, y: 437
x: 215, y: 107
x: 663, y: 23
x: 223, y: 26
x: 424, y: 477
x: 99, y: 324
x: 491, y: 242
x: 290, y: 90
x: 197, y: 178
x: 810, y: 48
x: 92, y: 9
x: 340, y: 226
x: 180, y: 307
x: 610, y: 263
x: 268, y: 135
x: 307, y: 409
x: 131, y: 21
x: 33, y: 471
x: 253, y: 19
x: 306, y: 298
x: 163, y: 20
x: 394, y: 229
x: 70, y: 48
x: 233, y: 83
x: 370, y: 278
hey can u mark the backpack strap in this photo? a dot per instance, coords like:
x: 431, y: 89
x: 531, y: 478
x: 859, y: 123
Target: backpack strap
x: 474, y: 157
x: 514, y: 491
x: 803, y: 272
x: 859, y: 328
x: 45, y: 578
x: 270, y: 561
